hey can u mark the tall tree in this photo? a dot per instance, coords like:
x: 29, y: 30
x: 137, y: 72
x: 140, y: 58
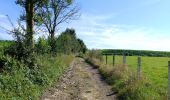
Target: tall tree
x: 67, y: 43
x: 30, y: 7
x: 55, y: 13
x: 82, y: 46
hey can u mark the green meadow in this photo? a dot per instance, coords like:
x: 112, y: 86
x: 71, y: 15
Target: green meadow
x: 155, y: 69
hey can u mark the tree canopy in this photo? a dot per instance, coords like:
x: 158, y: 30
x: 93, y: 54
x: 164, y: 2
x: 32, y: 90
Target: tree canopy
x: 67, y: 43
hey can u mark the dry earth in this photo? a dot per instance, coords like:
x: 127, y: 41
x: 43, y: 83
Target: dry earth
x: 80, y: 82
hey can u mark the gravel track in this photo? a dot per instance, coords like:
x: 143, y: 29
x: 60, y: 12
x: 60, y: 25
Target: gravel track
x: 80, y: 82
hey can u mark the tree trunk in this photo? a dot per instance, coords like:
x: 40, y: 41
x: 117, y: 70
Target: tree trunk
x: 52, y: 44
x: 30, y: 23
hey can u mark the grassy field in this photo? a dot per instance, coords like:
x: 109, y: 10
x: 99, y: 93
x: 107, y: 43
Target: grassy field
x: 5, y: 43
x: 155, y: 69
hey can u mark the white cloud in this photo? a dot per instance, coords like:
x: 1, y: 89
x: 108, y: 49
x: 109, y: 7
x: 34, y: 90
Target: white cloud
x: 97, y: 32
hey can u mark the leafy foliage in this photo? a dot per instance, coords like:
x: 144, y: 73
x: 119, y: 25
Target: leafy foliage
x: 82, y: 47
x: 25, y: 71
x: 4, y: 44
x: 68, y: 43
x: 42, y: 46
x: 20, y: 50
x: 53, y: 13
x: 94, y: 54
x: 17, y: 81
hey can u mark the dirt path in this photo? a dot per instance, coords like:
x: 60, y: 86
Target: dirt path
x: 80, y: 82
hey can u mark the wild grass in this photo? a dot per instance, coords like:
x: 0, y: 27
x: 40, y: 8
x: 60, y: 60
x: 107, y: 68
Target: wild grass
x: 54, y: 66
x: 128, y: 85
x: 18, y: 82
x: 155, y: 70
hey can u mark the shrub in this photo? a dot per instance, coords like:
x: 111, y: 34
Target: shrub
x: 42, y: 46
x: 18, y: 81
x: 94, y: 54
x: 68, y: 43
x: 13, y: 81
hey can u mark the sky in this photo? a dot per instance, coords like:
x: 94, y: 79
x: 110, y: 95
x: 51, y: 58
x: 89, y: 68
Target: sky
x: 111, y: 24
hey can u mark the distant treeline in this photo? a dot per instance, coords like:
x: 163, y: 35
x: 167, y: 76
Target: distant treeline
x: 136, y: 52
x: 5, y: 43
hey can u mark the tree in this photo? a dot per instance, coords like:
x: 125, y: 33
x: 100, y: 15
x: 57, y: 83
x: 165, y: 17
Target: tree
x: 82, y: 46
x: 30, y: 7
x: 23, y: 49
x: 29, y: 10
x: 67, y: 43
x: 42, y: 45
x: 54, y: 13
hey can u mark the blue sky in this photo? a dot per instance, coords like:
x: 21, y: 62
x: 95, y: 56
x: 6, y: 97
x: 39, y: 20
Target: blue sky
x: 114, y: 24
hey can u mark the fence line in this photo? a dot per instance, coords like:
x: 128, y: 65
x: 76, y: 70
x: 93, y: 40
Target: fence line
x: 139, y: 61
x: 139, y: 67
x: 124, y: 59
x: 106, y: 58
x: 113, y: 59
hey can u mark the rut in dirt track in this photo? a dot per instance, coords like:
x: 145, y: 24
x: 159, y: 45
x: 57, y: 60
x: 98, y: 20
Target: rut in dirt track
x: 80, y: 82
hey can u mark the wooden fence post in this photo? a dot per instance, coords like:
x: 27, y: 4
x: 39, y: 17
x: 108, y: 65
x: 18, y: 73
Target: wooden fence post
x: 139, y: 67
x: 168, y: 80
x: 124, y: 59
x: 113, y: 59
x: 106, y: 58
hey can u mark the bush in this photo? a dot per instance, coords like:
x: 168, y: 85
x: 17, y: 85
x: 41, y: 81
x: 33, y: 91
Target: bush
x: 13, y: 81
x: 68, y: 43
x: 94, y: 54
x: 93, y: 57
x: 42, y: 46
x: 18, y: 81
